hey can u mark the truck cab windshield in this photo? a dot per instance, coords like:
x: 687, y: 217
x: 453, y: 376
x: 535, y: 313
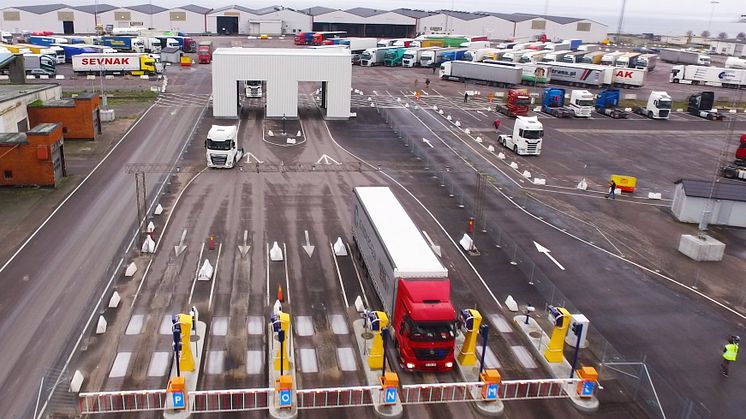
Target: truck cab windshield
x: 522, y: 100
x: 431, y: 331
x: 536, y: 134
x: 585, y: 103
x: 408, y: 56
x: 366, y: 55
x: 664, y: 104
x: 219, y: 145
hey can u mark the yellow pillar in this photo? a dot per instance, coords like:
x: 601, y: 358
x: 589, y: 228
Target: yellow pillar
x: 282, y: 350
x: 186, y: 360
x: 378, y: 321
x: 471, y: 319
x: 561, y: 317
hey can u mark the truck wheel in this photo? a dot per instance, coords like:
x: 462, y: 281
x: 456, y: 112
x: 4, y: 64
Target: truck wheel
x: 515, y: 149
x: 650, y: 114
x: 675, y: 81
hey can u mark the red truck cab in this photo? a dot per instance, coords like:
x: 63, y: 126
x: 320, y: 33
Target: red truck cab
x: 300, y: 38
x: 741, y: 150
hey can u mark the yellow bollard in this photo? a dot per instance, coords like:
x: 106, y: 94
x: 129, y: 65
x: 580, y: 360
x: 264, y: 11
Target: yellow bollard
x: 282, y: 351
x: 186, y: 360
x: 561, y: 319
x: 470, y: 321
x: 378, y: 322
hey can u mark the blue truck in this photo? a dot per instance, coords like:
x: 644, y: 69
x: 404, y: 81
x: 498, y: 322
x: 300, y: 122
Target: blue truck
x: 554, y: 103
x: 124, y: 43
x: 454, y: 55
x: 45, y: 40
x: 607, y: 103
x: 76, y: 49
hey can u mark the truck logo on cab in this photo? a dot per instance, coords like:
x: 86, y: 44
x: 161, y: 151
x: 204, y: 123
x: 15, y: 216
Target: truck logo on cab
x: 105, y: 61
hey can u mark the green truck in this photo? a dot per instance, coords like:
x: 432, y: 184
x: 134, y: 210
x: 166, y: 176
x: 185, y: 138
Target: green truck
x: 393, y: 57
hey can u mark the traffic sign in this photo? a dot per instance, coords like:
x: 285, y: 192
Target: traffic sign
x: 390, y: 395
x: 285, y: 398
x: 178, y: 398
x: 587, y: 390
x: 491, y: 392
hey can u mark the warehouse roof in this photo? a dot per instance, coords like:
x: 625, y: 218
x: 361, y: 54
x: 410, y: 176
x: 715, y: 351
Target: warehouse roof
x: 13, y: 138
x: 42, y: 8
x: 283, y: 51
x: 460, y: 15
x: 415, y: 13
x: 196, y: 9
x: 726, y: 190
x: 92, y: 8
x: 365, y: 11
x: 148, y: 9
x: 236, y: 7
x: 317, y: 10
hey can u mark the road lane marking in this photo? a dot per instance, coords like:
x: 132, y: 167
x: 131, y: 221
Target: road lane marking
x: 214, y: 277
x: 357, y: 273
x: 196, y: 272
x: 121, y: 364
x: 339, y: 275
x: 287, y: 278
x: 142, y: 282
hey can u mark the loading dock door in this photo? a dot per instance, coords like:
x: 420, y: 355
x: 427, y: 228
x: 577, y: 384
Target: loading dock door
x: 68, y: 27
x: 227, y: 25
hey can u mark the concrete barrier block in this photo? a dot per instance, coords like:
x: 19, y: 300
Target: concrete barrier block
x: 145, y: 77
x: 4, y: 77
x: 151, y: 227
x: 148, y: 246
x: 582, y: 185
x: 90, y: 77
x: 537, y: 108
x: 107, y: 115
x: 458, y: 124
x: 44, y: 77
x: 206, y: 271
x: 630, y: 96
x: 60, y: 77
x: 514, y: 165
x: 275, y: 253
x: 499, y: 94
x: 131, y: 269
x: 478, y: 139
x: 30, y: 77
x: 500, y: 155
x: 440, y: 111
x: 109, y: 77
x: 114, y: 300
x: 679, y: 110
x: 435, y: 108
x: 467, y: 131
x: 101, y: 325
x: 158, y: 210
x: 449, y: 117
x: 654, y: 195
x: 732, y: 111
x: 270, y: 133
x: 491, y: 149
x: 76, y: 383
x: 290, y: 141
x: 511, y: 304
x: 540, y: 181
x: 467, y: 243
x: 527, y: 174
x: 339, y: 247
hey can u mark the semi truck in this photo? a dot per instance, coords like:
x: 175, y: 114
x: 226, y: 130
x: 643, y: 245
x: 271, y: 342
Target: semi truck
x: 433, y: 58
x: 596, y: 75
x: 412, y: 56
x: 607, y: 103
x: 46, y: 40
x: 701, y: 105
x: 715, y: 76
x: 531, y: 73
x: 221, y: 147
x: 533, y: 56
x: 152, y: 44
x: 482, y: 54
x: 658, y: 106
x: 592, y: 57
x: 574, y: 57
x: 680, y: 56
x: 480, y: 72
x: 737, y: 169
x: 253, y: 88
x: 204, y: 52
x: 735, y: 62
x: 555, y: 56
x: 412, y: 284
x: 374, y: 56
x: 393, y: 57
x: 647, y: 62
x: 527, y: 136
x: 453, y: 55
x: 71, y: 50
x: 554, y: 103
x: 118, y: 63
x: 516, y: 103
x: 39, y: 65
x: 628, y: 60
x: 124, y: 43
x: 303, y: 38
x: 581, y: 103
x: 610, y: 58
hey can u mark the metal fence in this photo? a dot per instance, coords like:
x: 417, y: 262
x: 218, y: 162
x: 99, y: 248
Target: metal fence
x: 122, y: 401
x: 336, y: 397
x: 507, y: 390
x: 487, y: 183
x: 230, y: 400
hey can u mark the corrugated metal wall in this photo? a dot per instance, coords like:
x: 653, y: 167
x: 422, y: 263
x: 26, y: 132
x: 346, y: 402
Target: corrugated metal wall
x: 282, y: 74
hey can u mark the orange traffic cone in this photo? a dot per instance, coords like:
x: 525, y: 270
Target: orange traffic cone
x: 279, y: 294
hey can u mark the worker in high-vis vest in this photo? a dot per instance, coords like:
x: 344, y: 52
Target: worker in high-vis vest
x: 730, y: 353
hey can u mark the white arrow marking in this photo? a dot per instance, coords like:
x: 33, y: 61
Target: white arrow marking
x: 324, y: 159
x: 181, y: 247
x: 435, y: 248
x: 244, y: 248
x: 546, y: 251
x: 250, y: 156
x: 426, y: 141
x: 307, y: 247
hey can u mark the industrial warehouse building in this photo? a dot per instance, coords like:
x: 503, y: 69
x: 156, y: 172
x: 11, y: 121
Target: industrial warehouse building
x: 279, y: 20
x: 728, y: 205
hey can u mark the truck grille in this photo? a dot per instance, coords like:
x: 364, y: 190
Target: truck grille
x: 663, y: 114
x: 531, y: 147
x: 219, y: 160
x: 430, y: 354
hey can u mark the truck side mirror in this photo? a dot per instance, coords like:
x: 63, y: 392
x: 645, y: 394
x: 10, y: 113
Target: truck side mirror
x: 205, y: 143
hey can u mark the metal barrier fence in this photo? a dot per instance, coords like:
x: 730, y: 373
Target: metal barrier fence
x: 316, y: 398
x: 122, y: 401
x: 508, y: 390
x: 210, y: 401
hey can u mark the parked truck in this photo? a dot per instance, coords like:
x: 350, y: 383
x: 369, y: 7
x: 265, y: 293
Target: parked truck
x: 480, y: 72
x: 412, y: 284
x: 658, y: 106
x: 124, y: 43
x: 607, y: 103
x: 204, y: 52
x: 374, y: 56
x: 222, y: 147
x: 118, y: 63
x: 433, y: 58
x: 701, y: 105
x: 647, y: 62
x: 70, y: 50
x: 453, y: 55
x: 737, y: 169
x: 516, y: 103
x: 412, y: 56
x: 628, y: 60
x: 527, y: 136
x: 554, y: 103
x: 593, y: 57
x: 39, y: 65
x: 581, y: 103
x: 680, y: 56
x: 393, y: 57
x: 253, y: 88
x: 610, y: 58
x: 152, y: 44
x: 716, y: 76
x: 735, y: 62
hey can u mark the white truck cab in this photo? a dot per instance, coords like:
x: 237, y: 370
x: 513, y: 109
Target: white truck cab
x: 658, y: 106
x: 222, y: 148
x: 704, y: 60
x: 581, y: 103
x: 253, y: 88
x: 528, y: 133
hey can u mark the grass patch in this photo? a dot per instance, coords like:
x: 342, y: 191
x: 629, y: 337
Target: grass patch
x: 121, y: 95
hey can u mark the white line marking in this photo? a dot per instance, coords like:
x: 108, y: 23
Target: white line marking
x: 339, y: 275
x: 173, y: 207
x: 142, y: 281
x: 266, y: 262
x: 287, y: 278
x: 357, y: 273
x: 214, y: 277
x: 196, y: 272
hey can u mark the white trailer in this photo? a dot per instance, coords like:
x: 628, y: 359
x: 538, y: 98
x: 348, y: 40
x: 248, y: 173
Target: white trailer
x: 735, y: 62
x: 680, y: 56
x: 581, y: 74
x: 487, y: 73
x: 358, y: 45
x: 628, y: 77
x: 711, y: 76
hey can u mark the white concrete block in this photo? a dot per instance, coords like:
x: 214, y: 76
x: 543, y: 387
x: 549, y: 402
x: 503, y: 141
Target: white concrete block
x: 60, y: 77
x: 654, y: 195
x: 339, y: 247
x: 467, y: 243
x: 158, y: 209
x: 490, y: 148
x: 701, y: 248
x: 206, y: 271
x: 627, y: 109
x: 154, y: 89
x: 4, y: 77
x: 275, y: 253
x: 500, y: 155
x: 440, y: 112
x: 406, y: 105
x: 270, y: 133
x: 458, y: 124
x: 131, y: 269
x: 514, y: 165
x: 109, y: 77
x: 732, y: 111
x: 526, y: 174
x: 511, y: 304
x: 291, y: 141
x: 539, y: 181
x: 44, y: 77
x: 107, y: 115
x: 435, y: 108
x: 582, y: 185
x: 449, y: 117
x: 679, y: 110
x: 30, y: 77
x: 298, y: 134
x: 537, y: 108
x: 478, y: 139
x: 90, y: 77
x: 499, y: 94
x: 467, y: 131
x: 114, y: 300
x: 145, y: 77
x: 630, y: 96
x: 151, y: 227
x: 372, y: 105
x: 101, y: 325
x: 76, y: 382
x: 148, y: 246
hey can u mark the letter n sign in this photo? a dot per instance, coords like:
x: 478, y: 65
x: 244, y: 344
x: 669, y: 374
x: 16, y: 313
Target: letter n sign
x: 390, y: 395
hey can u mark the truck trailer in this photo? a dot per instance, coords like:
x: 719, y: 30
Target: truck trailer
x: 680, y: 56
x: 412, y: 284
x: 714, y: 76
x: 481, y: 72
x: 118, y: 63
x: 124, y: 43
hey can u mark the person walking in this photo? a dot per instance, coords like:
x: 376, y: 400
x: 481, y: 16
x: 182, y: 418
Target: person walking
x: 730, y: 353
x: 466, y: 97
x: 427, y: 83
x: 433, y: 69
x: 612, y: 190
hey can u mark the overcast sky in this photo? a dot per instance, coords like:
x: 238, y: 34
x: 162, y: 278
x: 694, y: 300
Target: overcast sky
x: 640, y: 14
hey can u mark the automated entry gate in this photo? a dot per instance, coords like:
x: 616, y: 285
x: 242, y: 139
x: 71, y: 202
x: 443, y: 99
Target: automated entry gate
x: 212, y: 401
